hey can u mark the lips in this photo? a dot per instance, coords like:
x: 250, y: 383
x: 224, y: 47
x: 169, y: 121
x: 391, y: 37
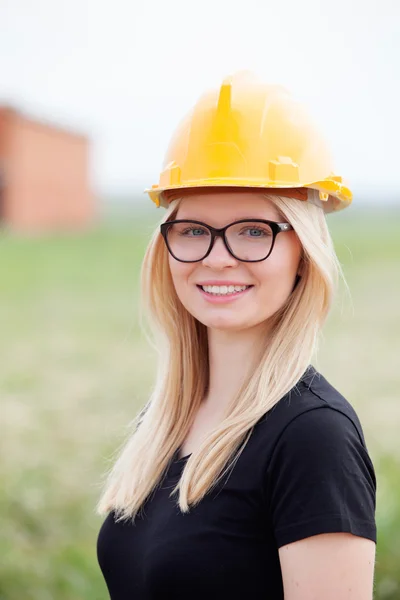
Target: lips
x: 219, y: 283
x: 224, y: 298
x: 224, y: 290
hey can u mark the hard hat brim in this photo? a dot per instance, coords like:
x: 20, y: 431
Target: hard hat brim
x: 333, y: 195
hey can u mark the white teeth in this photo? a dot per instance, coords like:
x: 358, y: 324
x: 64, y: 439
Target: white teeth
x: 224, y: 289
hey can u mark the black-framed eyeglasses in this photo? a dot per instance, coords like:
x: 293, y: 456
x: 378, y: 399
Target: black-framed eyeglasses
x: 191, y: 241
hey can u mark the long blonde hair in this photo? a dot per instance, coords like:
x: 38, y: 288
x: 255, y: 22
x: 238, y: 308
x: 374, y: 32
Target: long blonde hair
x: 182, y: 372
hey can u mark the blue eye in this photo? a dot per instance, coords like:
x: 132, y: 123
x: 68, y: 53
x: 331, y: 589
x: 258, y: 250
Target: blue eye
x: 258, y: 230
x: 198, y: 229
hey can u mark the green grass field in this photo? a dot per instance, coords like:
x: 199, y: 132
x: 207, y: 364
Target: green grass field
x: 75, y: 369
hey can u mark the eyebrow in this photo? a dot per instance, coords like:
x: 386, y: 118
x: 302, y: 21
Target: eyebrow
x: 251, y: 218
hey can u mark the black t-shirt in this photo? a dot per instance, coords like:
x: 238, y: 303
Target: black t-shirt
x: 304, y: 471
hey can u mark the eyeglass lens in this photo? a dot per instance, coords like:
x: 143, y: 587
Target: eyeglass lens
x: 247, y: 240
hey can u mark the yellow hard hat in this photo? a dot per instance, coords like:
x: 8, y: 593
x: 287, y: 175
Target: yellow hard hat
x: 249, y: 134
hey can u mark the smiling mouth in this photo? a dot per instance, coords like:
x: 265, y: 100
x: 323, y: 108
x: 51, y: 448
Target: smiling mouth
x: 229, y: 290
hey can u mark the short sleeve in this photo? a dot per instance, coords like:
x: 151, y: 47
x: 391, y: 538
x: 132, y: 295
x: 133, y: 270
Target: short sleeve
x: 320, y: 479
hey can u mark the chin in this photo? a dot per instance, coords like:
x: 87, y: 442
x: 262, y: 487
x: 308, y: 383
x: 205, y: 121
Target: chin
x: 232, y: 322
x: 223, y: 322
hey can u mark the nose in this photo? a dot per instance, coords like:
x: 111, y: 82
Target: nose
x: 219, y: 256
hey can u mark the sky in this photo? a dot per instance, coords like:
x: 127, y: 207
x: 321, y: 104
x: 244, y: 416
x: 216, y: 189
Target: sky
x: 126, y: 72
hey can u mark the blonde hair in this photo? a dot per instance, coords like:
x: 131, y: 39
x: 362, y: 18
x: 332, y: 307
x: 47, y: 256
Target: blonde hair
x: 182, y: 373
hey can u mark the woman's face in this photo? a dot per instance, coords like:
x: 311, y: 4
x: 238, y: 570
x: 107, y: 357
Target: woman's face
x: 272, y: 280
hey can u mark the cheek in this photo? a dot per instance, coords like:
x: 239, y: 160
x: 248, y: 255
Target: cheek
x: 180, y: 273
x: 277, y: 275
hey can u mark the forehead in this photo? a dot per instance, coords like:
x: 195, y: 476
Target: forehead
x: 221, y: 207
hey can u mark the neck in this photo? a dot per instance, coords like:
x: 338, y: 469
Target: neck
x: 232, y: 355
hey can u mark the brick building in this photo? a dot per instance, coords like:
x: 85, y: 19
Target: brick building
x: 44, y: 176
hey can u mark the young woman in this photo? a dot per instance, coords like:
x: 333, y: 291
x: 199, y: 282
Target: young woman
x: 247, y: 474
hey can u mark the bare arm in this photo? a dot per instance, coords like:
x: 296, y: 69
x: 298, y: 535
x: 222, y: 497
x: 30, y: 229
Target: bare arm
x: 329, y: 566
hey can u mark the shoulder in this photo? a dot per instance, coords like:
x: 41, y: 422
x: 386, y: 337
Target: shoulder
x: 317, y: 474
x: 312, y: 407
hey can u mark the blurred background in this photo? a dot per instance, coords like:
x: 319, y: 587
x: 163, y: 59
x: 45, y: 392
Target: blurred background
x: 90, y: 93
